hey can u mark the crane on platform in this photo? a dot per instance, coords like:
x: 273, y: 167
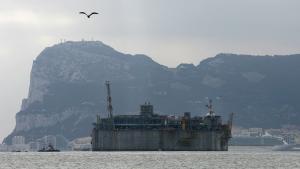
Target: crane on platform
x: 109, y: 102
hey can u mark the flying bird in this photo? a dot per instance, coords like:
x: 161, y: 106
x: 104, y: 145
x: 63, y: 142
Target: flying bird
x: 88, y: 15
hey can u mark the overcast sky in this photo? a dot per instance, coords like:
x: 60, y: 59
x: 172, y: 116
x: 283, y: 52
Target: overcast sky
x: 169, y: 31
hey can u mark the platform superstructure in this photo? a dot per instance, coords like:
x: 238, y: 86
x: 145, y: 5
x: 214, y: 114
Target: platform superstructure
x: 148, y: 131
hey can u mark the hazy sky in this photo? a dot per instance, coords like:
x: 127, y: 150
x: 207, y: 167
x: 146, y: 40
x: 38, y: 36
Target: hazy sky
x: 170, y: 31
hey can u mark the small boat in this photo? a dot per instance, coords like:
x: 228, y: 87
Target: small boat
x: 50, y: 148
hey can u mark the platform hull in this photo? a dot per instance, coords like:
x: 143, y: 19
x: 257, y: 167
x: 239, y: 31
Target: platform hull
x: 158, y: 140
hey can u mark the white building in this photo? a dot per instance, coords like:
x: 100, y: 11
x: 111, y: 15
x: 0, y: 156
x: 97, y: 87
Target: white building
x: 17, y: 140
x: 18, y: 144
x: 256, y: 131
x: 33, y: 146
x: 81, y: 144
x: 50, y: 140
x: 44, y: 142
x: 19, y: 148
x: 3, y: 148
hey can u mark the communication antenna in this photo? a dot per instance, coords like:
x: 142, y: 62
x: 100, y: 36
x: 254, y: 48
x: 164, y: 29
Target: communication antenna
x: 210, y: 108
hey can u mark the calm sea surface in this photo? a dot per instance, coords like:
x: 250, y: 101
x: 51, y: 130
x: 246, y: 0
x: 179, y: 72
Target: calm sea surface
x: 236, y: 157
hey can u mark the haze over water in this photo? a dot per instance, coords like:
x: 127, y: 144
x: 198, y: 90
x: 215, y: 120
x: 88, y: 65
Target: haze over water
x: 235, y: 158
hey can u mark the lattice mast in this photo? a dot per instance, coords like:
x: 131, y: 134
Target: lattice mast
x: 109, y: 102
x: 210, y: 108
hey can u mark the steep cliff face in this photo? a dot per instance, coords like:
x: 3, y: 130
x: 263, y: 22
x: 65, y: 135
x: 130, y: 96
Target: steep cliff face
x: 67, y: 88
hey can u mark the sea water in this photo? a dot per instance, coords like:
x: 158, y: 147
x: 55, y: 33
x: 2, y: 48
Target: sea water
x: 235, y: 158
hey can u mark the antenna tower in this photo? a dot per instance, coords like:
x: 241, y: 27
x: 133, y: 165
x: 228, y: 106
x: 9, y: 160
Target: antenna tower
x: 210, y: 108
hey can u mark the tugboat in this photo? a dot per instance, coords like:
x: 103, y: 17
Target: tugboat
x: 50, y: 148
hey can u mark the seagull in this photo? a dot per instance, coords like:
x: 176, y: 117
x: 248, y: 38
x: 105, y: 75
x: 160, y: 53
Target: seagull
x: 89, y: 14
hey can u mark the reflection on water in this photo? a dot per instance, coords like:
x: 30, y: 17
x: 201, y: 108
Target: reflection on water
x: 235, y: 158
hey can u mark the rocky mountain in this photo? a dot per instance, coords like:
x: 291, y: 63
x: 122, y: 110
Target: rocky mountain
x: 67, y: 88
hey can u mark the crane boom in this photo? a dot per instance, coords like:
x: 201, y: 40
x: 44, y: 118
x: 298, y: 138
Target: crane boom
x: 109, y: 102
